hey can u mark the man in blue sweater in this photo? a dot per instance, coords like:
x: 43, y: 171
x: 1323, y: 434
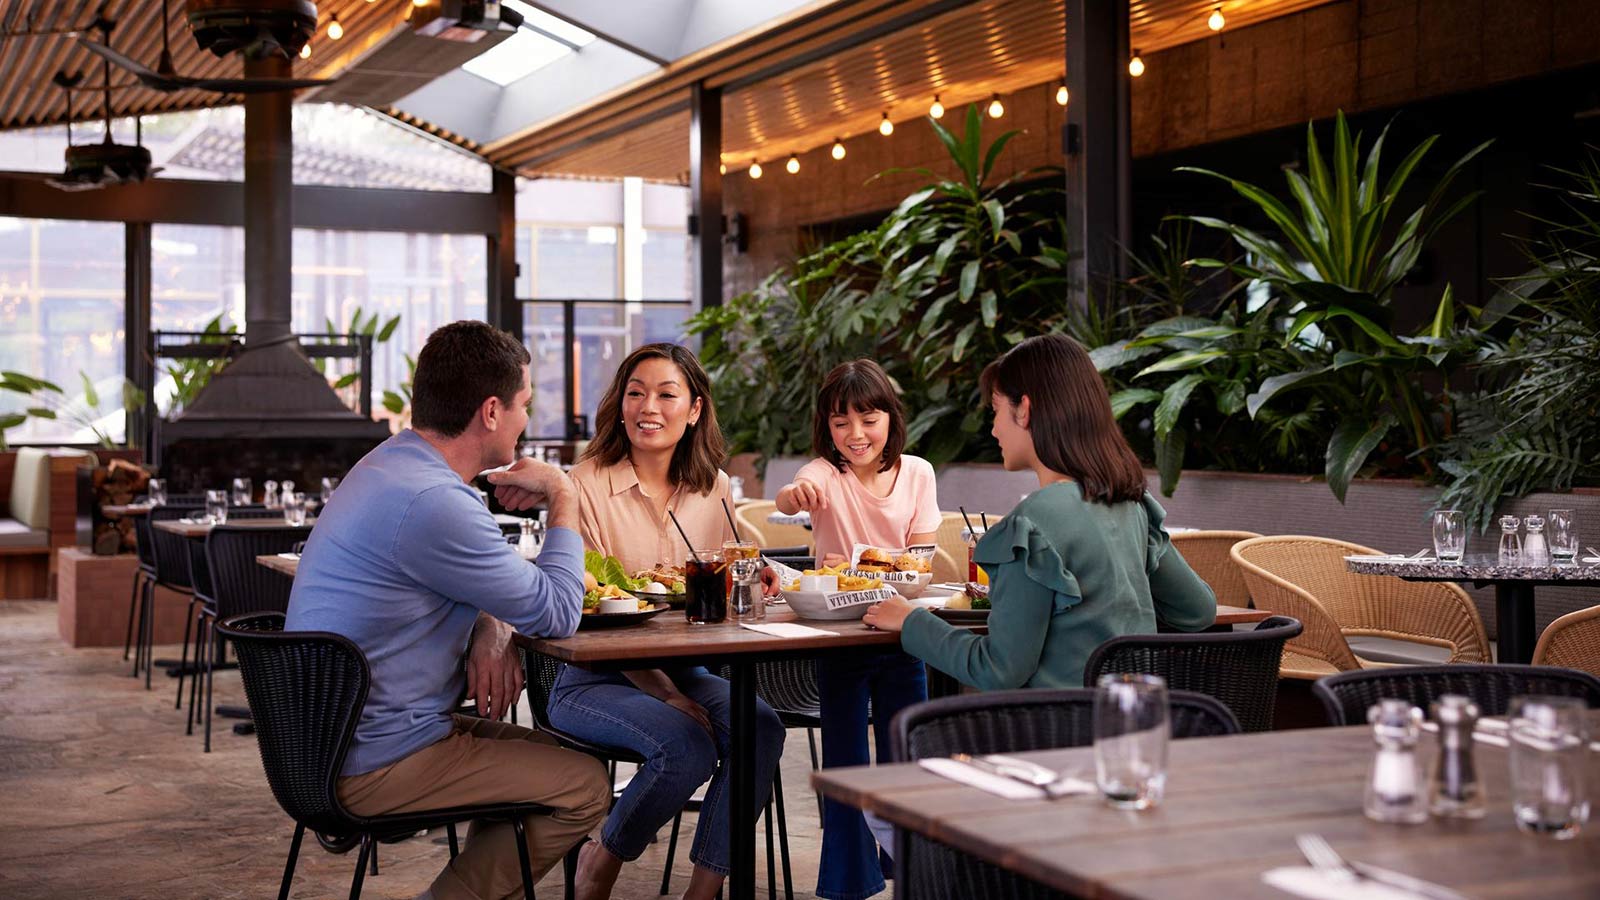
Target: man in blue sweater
x: 408, y: 563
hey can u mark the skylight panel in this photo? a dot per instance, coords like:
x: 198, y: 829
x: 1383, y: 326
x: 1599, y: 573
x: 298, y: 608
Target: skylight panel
x: 530, y: 49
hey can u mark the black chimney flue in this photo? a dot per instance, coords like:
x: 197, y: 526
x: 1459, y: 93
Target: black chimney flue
x: 268, y: 207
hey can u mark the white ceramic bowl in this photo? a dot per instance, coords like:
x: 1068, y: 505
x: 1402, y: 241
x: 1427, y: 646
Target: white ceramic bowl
x: 814, y: 605
x: 611, y: 605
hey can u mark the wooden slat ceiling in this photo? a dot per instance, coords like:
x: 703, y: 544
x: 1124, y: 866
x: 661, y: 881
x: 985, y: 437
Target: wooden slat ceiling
x: 27, y: 63
x: 963, y: 55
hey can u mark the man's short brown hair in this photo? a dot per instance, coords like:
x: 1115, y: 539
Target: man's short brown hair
x: 462, y: 365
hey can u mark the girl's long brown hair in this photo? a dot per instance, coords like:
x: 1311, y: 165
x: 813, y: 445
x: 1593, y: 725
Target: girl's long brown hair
x: 698, y: 458
x: 1069, y: 416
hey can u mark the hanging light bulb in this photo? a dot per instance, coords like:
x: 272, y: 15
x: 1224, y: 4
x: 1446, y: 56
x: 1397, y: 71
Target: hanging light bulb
x: 996, y: 108
x: 1216, y: 22
x: 722, y: 168
x: 886, y: 127
x: 793, y: 165
x: 937, y: 109
x: 1136, y: 65
x: 1061, y: 95
x: 838, y: 149
x: 755, y: 170
x: 305, y: 52
x: 335, y: 30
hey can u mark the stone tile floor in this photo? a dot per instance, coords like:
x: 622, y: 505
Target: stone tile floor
x: 103, y: 796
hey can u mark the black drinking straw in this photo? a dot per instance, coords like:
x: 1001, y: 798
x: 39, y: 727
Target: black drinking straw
x: 686, y: 541
x: 965, y: 518
x: 984, y: 517
x: 729, y: 513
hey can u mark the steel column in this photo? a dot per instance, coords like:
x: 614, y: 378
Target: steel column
x: 136, y: 323
x: 505, y: 310
x: 1098, y: 143
x: 705, y: 188
x: 268, y: 204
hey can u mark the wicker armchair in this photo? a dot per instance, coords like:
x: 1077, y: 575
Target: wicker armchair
x: 1006, y: 722
x: 1240, y: 668
x: 1572, y: 641
x: 1208, y: 553
x: 1305, y: 577
x: 950, y: 559
x: 306, y: 692
x: 753, y: 525
x: 1346, y: 696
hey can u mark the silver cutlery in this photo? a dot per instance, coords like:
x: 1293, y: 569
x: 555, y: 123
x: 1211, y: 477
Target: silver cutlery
x: 1327, y: 860
x: 1494, y: 732
x: 1052, y: 783
x: 1593, y: 551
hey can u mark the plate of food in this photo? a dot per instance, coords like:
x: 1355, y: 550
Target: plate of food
x: 831, y: 592
x: 908, y: 570
x: 970, y: 604
x: 608, y: 598
x: 662, y: 584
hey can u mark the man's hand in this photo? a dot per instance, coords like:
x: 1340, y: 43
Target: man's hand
x: 530, y: 483
x: 494, y: 668
x: 890, y: 615
x: 693, y: 710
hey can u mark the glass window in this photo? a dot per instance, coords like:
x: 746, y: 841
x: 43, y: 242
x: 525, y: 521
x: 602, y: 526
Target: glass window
x: 542, y: 333
x: 666, y: 265
x: 61, y: 319
x: 427, y: 280
x: 576, y: 263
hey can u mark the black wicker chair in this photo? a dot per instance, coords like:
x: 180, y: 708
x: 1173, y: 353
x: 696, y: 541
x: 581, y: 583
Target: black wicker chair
x: 170, y: 560
x: 1006, y: 722
x: 1239, y: 668
x: 143, y: 578
x: 306, y: 691
x: 238, y: 585
x: 541, y: 672
x: 1346, y: 696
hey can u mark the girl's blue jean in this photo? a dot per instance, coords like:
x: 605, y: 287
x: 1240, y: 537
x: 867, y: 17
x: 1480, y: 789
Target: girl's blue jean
x: 850, y: 869
x: 679, y: 755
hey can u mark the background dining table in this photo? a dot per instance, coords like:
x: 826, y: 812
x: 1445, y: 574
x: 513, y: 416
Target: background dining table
x: 1234, y: 806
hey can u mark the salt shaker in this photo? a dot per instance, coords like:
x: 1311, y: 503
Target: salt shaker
x: 1510, y: 543
x: 1535, y: 552
x: 1455, y: 791
x: 529, y: 542
x: 1395, y: 791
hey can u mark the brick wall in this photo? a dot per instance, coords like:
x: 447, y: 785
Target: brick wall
x: 1353, y: 55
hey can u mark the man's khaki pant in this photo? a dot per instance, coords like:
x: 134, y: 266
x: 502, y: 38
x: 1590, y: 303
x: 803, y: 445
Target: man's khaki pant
x: 491, y: 762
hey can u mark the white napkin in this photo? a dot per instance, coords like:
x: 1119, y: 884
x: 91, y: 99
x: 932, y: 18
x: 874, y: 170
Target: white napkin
x: 1305, y: 881
x: 288, y: 556
x: 788, y: 630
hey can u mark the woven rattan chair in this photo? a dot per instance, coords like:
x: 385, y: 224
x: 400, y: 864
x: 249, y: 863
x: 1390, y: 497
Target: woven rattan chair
x: 1305, y: 577
x: 1209, y: 553
x: 753, y: 524
x: 540, y: 674
x: 239, y: 585
x: 950, y: 561
x: 1240, y: 668
x: 1572, y: 641
x: 1346, y: 696
x: 306, y: 691
x: 1006, y: 722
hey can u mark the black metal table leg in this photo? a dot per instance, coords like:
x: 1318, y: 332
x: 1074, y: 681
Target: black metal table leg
x: 1513, y: 609
x: 742, y: 780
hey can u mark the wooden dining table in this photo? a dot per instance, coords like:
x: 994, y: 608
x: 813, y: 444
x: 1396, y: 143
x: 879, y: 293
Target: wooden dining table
x: 1233, y: 808
x: 198, y: 530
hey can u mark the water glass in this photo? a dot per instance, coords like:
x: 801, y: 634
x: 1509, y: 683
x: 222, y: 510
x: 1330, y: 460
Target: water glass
x: 242, y: 491
x: 329, y: 485
x: 156, y: 491
x: 1563, y: 535
x: 1449, y: 535
x: 294, y: 508
x: 1130, y: 739
x: 1549, y: 756
x: 217, y: 506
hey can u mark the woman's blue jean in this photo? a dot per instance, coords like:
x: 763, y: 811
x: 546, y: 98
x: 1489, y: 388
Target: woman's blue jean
x: 892, y: 681
x: 679, y: 755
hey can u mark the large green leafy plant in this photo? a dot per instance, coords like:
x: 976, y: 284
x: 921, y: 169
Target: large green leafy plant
x: 962, y: 269
x: 1537, y: 424
x: 1324, y: 335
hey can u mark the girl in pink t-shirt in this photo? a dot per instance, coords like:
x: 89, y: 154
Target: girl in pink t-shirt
x: 861, y: 489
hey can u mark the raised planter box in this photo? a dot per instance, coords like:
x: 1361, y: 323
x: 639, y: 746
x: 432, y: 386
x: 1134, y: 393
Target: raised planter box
x: 1386, y: 514
x: 92, y: 600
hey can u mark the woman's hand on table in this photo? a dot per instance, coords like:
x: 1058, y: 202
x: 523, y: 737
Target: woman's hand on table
x: 693, y: 710
x: 888, y: 615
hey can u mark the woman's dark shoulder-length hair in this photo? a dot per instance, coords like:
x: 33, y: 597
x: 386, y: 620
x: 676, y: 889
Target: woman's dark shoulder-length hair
x: 860, y: 385
x: 1074, y: 432
x: 698, y: 459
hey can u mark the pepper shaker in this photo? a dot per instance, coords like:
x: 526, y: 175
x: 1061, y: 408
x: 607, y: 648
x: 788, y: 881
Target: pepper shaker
x: 1455, y: 791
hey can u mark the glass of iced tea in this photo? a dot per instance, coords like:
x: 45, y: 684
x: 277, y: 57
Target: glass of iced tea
x: 705, y: 587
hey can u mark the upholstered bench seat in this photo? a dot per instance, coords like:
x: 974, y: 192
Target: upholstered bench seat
x: 16, y: 536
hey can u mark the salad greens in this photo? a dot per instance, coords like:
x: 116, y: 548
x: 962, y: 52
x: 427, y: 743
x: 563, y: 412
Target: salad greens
x: 608, y: 570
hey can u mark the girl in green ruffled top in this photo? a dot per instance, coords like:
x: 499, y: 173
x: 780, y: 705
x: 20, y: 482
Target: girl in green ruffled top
x: 1082, y: 559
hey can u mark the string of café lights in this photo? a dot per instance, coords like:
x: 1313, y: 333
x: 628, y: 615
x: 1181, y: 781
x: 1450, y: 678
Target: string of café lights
x: 1136, y: 67
x: 1215, y: 21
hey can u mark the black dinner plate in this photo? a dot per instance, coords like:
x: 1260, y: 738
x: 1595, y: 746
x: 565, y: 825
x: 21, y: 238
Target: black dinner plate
x: 962, y: 615
x: 595, y: 621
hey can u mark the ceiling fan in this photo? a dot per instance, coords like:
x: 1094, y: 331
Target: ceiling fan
x: 91, y: 166
x: 261, y: 27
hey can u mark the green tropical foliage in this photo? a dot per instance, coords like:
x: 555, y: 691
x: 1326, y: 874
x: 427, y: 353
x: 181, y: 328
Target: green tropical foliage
x: 47, y: 400
x: 190, y: 376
